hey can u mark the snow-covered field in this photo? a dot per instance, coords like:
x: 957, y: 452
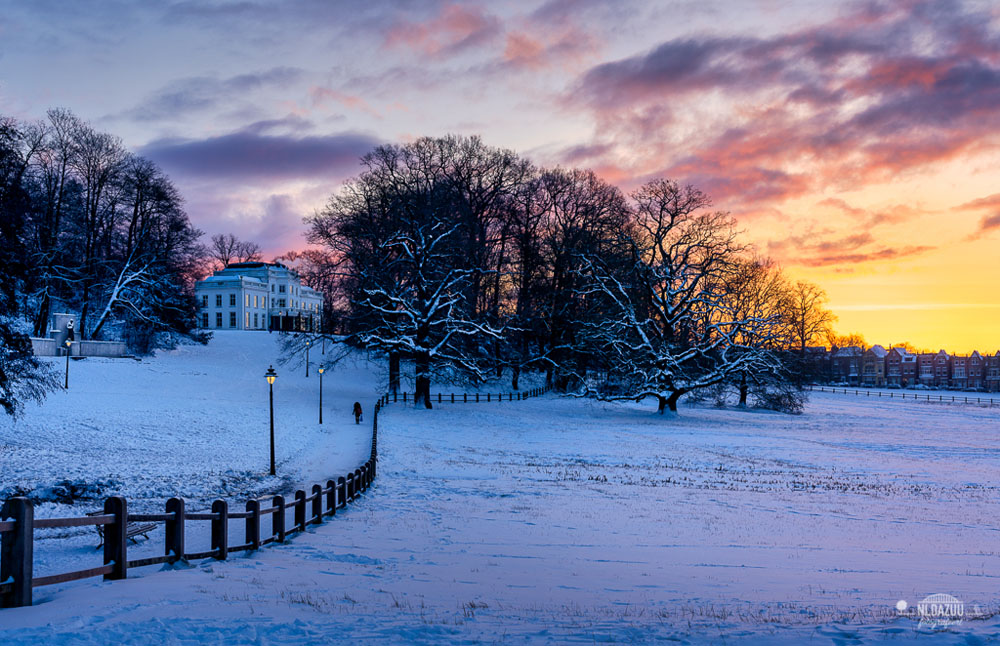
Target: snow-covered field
x: 559, y: 520
x: 192, y: 422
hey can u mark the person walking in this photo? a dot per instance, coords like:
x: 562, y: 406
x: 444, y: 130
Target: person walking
x: 357, y: 412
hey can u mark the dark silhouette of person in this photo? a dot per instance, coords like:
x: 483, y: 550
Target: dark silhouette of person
x: 357, y: 412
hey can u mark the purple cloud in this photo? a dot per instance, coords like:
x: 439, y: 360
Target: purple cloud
x: 250, y: 156
x: 183, y: 96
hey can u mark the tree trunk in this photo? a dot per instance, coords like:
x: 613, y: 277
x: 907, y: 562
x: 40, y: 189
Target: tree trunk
x: 84, y: 311
x: 671, y: 401
x: 744, y: 387
x: 394, y: 371
x: 42, y: 320
x: 422, y: 368
x: 515, y: 377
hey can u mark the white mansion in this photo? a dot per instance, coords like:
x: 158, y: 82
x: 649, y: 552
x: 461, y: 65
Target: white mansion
x: 258, y: 296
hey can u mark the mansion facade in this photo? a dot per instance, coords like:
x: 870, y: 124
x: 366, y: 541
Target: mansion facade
x: 258, y: 296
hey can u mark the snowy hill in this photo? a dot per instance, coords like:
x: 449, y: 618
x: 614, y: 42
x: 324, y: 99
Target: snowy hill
x: 191, y: 422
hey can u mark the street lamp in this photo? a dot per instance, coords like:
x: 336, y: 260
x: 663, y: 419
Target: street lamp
x: 321, y: 369
x: 271, y: 375
x: 308, y: 343
x: 69, y: 345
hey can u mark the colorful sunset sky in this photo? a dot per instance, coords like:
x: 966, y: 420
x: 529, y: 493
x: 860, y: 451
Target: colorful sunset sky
x: 857, y: 143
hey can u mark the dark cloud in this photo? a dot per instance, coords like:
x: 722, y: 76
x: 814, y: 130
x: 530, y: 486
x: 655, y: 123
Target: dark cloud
x: 885, y: 88
x: 250, y: 156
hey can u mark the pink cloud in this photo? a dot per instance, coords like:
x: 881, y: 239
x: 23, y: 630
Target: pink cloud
x: 456, y: 27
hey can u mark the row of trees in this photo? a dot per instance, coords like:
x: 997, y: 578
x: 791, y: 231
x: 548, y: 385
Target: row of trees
x: 100, y: 231
x: 469, y: 260
x: 88, y: 228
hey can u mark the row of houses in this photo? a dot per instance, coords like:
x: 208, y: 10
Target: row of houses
x: 896, y: 367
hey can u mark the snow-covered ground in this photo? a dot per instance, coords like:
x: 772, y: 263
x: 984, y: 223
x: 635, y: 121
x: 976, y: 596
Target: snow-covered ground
x: 559, y: 520
x: 192, y: 422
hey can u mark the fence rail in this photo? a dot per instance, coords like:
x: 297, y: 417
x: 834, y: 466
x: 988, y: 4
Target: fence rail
x: 18, y: 524
x: 466, y: 398
x: 879, y: 394
x: 17, y: 521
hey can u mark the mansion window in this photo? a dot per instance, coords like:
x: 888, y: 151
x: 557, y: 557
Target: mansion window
x: 232, y: 319
x: 204, y: 317
x: 218, y: 317
x: 204, y: 301
x: 232, y: 300
x: 218, y: 303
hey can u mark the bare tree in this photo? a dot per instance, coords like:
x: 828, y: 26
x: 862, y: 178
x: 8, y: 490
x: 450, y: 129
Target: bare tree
x: 665, y: 327
x: 809, y: 318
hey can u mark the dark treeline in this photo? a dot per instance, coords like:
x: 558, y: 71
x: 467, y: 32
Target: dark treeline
x: 469, y: 261
x: 92, y: 229
x: 99, y: 231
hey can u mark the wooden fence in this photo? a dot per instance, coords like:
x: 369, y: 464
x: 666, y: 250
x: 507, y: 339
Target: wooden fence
x: 17, y: 521
x: 474, y: 398
x: 878, y: 394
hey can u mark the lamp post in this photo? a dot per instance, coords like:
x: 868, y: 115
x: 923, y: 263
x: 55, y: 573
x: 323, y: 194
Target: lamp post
x: 271, y: 375
x: 308, y: 343
x: 69, y: 345
x: 321, y: 394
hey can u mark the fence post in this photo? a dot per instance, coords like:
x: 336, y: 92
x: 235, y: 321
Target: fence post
x: 174, y: 547
x: 220, y: 529
x: 317, y: 509
x: 453, y: 398
x: 116, y: 539
x: 439, y: 398
x: 253, y: 524
x: 341, y: 491
x: 331, y: 497
x: 358, y: 481
x: 278, y: 519
x: 300, y: 510
x: 17, y: 552
x: 404, y: 396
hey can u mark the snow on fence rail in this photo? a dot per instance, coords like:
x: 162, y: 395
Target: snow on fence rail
x: 958, y: 399
x: 17, y: 523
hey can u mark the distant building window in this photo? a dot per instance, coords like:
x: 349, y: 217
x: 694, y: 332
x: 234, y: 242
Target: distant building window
x: 281, y: 302
x: 232, y: 300
x: 247, y: 299
x: 232, y: 319
x: 255, y: 324
x: 281, y: 289
x: 204, y: 319
x: 255, y: 303
x: 218, y: 317
x: 272, y: 288
x: 204, y: 301
x: 218, y: 302
x: 246, y: 323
